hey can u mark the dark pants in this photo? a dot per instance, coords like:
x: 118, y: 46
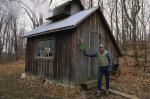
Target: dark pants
x: 103, y: 71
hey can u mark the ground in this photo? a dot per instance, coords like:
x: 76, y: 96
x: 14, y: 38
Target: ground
x: 132, y: 79
x: 129, y: 81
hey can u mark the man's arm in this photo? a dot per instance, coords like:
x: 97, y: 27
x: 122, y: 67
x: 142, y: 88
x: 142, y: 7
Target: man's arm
x: 109, y: 56
x: 91, y: 54
x: 110, y: 59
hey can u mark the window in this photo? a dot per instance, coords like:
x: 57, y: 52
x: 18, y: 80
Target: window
x: 46, y: 48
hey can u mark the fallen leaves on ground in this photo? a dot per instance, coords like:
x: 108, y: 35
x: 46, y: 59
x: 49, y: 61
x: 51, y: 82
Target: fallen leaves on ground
x: 131, y: 81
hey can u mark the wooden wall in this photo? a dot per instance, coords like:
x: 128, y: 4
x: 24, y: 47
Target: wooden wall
x: 41, y: 67
x: 58, y: 68
x: 63, y: 57
x: 88, y: 32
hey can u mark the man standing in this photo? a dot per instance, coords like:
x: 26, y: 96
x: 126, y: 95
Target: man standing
x: 104, y: 64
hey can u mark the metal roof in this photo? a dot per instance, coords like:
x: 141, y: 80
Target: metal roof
x: 68, y: 23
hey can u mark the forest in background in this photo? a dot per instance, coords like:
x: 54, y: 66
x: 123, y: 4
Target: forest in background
x: 129, y: 21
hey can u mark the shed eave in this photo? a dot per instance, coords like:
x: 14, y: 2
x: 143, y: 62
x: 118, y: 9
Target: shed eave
x: 50, y: 31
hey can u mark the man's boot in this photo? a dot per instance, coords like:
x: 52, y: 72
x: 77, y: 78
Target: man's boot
x: 98, y: 93
x: 107, y: 91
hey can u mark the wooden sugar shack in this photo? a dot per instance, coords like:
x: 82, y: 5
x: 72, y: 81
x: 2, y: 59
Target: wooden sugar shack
x: 55, y: 49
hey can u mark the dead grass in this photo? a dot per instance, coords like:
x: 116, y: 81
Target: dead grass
x: 131, y: 81
x: 13, y: 87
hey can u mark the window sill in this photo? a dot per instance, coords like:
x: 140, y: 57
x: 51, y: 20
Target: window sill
x: 49, y: 58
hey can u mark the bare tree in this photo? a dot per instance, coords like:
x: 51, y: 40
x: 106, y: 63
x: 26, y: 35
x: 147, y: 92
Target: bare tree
x: 117, y: 27
x: 135, y: 8
x: 9, y: 30
x: 144, y: 24
x: 91, y: 3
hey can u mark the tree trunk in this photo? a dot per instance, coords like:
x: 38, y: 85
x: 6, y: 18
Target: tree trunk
x: 91, y: 3
x: 135, y: 42
x: 123, y: 30
x: 117, y: 28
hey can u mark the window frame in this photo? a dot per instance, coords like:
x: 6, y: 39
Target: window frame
x: 36, y: 50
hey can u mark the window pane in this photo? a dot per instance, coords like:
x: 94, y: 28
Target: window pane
x: 46, y: 48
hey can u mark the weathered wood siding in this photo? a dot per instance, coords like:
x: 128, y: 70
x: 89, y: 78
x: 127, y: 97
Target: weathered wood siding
x: 63, y: 57
x: 87, y: 67
x: 109, y: 45
x: 92, y: 32
x: 59, y: 68
x: 41, y: 67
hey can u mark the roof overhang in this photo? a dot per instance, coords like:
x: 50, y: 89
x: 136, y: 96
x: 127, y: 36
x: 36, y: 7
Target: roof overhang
x: 51, y: 31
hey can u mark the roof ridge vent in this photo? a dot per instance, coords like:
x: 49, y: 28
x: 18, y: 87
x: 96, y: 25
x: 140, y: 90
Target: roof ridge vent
x: 65, y: 10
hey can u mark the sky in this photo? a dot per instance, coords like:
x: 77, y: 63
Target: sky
x: 37, y: 8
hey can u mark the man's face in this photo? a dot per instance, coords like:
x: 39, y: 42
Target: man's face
x: 101, y: 50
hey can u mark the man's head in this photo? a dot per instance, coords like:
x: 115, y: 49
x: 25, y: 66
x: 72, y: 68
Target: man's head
x: 101, y: 48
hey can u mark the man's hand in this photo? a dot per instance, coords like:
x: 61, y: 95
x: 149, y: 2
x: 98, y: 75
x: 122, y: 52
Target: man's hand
x: 109, y: 68
x: 85, y: 53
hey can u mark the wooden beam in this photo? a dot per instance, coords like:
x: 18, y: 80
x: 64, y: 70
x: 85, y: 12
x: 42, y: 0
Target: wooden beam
x: 124, y: 94
x: 93, y: 84
x: 89, y: 84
